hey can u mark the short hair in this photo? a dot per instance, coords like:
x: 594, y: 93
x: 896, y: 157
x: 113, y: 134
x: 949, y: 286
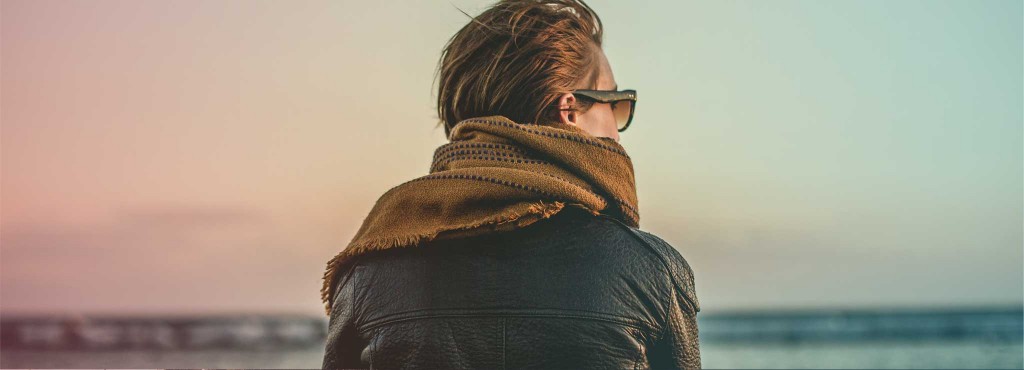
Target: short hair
x: 516, y: 58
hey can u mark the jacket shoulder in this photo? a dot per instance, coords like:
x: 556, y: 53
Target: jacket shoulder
x: 675, y: 263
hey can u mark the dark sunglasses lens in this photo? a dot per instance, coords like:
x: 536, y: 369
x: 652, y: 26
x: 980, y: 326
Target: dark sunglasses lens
x: 622, y: 110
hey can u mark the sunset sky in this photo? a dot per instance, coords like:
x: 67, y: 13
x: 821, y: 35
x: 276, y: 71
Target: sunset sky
x: 211, y: 156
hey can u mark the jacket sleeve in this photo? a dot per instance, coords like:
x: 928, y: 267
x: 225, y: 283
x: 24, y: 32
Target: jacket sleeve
x: 678, y: 346
x: 344, y: 344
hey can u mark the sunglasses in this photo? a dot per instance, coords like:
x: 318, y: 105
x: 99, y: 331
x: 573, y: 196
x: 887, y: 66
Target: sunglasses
x: 623, y: 103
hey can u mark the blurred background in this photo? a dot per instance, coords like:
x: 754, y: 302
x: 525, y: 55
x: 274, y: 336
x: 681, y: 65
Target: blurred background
x: 844, y: 177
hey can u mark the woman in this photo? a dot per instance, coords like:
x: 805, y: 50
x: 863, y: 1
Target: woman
x: 521, y: 247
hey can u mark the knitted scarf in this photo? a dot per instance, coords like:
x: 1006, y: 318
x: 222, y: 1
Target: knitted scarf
x: 496, y: 175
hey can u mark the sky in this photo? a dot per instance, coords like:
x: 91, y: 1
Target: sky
x: 212, y: 156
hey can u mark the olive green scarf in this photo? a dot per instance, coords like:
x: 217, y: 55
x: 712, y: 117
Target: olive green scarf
x: 496, y: 175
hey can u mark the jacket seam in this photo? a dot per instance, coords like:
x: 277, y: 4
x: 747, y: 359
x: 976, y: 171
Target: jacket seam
x: 343, y: 278
x: 373, y: 343
x: 504, y: 363
x: 637, y: 323
x: 379, y: 324
x: 668, y: 322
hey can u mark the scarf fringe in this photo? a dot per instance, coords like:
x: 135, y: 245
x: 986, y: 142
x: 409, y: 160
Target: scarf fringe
x: 539, y: 210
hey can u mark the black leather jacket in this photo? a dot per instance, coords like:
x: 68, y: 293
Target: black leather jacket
x: 574, y: 291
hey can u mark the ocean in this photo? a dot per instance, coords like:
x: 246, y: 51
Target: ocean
x: 977, y: 338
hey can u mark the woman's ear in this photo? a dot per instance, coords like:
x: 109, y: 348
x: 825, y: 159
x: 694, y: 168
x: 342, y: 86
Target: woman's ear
x: 568, y: 117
